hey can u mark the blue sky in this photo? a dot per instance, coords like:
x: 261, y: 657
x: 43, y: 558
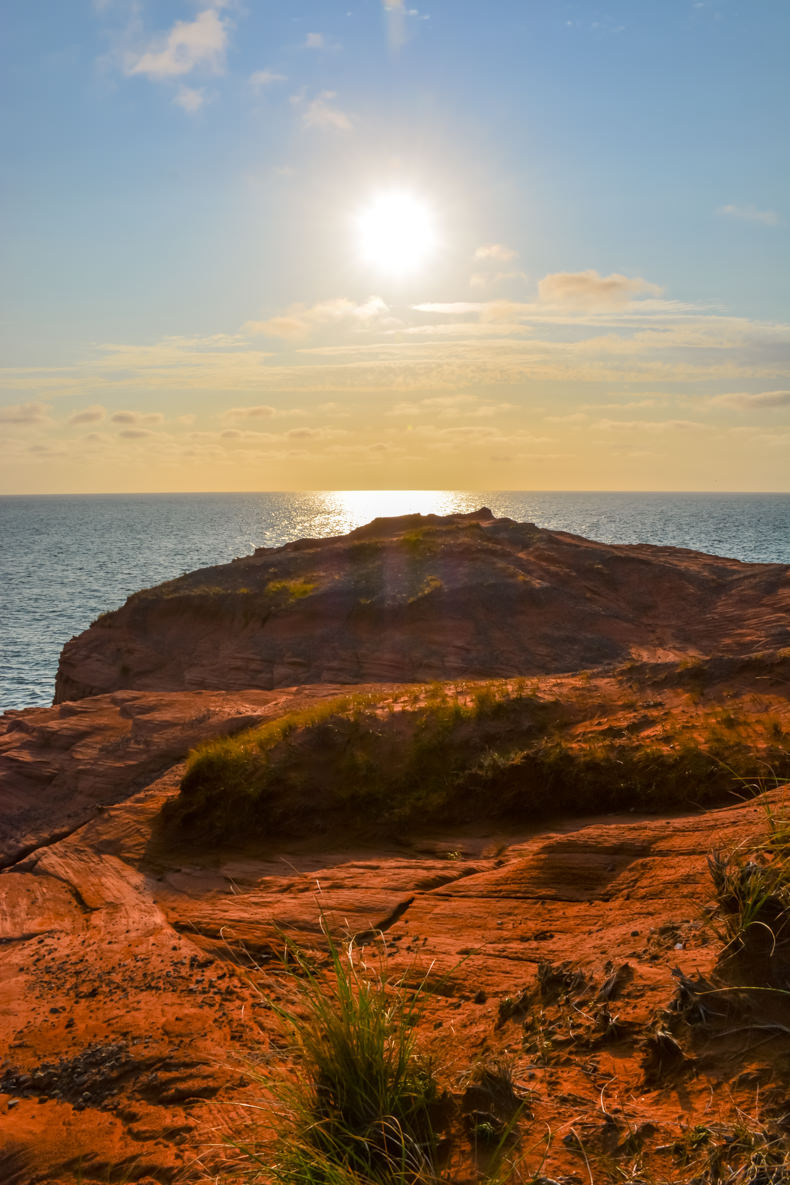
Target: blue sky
x: 605, y: 304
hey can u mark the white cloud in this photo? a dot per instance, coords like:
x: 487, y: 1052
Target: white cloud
x: 750, y: 213
x: 496, y: 251
x: 189, y: 44
x: 314, y: 41
x: 265, y: 78
x: 24, y: 413
x: 747, y: 401
x: 190, y: 98
x: 299, y: 320
x: 588, y: 288
x: 321, y: 112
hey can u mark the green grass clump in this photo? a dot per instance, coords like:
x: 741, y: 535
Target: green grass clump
x: 376, y: 760
x: 290, y: 590
x: 359, y: 1110
x: 752, y: 885
x: 452, y: 753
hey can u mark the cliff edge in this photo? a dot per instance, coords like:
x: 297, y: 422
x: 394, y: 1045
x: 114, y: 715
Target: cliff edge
x: 422, y: 598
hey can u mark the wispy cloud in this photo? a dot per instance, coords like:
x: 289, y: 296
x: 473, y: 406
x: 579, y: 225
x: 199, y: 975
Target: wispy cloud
x: 489, y: 258
x: 260, y: 411
x: 24, y: 413
x: 750, y: 213
x: 496, y: 251
x: 190, y: 98
x: 137, y: 417
x: 760, y: 399
x: 88, y: 415
x: 649, y: 425
x: 300, y: 320
x: 187, y: 45
x: 588, y: 288
x: 322, y: 112
x: 262, y: 79
x: 449, y: 407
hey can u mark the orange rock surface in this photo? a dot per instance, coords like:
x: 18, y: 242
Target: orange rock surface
x: 137, y: 973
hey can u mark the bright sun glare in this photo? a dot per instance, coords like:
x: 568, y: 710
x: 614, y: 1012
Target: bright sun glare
x: 396, y: 232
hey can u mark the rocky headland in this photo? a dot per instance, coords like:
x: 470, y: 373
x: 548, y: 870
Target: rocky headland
x: 521, y: 764
x: 423, y: 598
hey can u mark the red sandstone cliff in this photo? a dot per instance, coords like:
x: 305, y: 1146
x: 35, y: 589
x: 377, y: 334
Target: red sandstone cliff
x: 423, y: 598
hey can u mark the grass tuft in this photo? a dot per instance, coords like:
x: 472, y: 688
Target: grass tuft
x: 359, y: 1110
x: 752, y: 885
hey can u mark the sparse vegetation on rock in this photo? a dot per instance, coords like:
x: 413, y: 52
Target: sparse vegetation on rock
x: 456, y: 753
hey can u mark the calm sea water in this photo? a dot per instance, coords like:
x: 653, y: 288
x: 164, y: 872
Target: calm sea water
x: 64, y: 560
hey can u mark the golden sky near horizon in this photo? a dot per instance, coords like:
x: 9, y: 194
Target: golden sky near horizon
x: 601, y: 382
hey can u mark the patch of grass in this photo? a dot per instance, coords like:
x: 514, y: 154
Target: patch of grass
x: 382, y: 760
x: 456, y: 753
x: 360, y: 1109
x: 288, y: 591
x: 420, y: 541
x: 752, y: 885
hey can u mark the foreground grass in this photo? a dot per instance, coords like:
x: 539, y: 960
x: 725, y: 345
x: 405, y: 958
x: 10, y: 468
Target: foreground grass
x: 455, y: 754
x: 359, y: 1110
x: 752, y: 885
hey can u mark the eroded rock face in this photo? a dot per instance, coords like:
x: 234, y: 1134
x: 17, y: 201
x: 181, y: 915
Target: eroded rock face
x: 422, y: 598
x: 138, y: 978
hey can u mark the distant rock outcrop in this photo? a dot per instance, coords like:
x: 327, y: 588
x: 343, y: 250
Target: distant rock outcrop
x: 427, y: 598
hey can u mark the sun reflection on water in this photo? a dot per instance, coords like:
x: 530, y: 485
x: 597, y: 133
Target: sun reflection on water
x: 354, y: 508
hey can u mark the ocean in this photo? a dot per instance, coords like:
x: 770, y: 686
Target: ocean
x: 64, y: 560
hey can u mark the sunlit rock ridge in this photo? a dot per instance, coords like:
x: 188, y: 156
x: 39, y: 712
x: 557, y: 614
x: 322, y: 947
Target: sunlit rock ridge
x: 421, y: 598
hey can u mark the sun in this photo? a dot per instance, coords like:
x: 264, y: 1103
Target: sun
x: 396, y: 232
